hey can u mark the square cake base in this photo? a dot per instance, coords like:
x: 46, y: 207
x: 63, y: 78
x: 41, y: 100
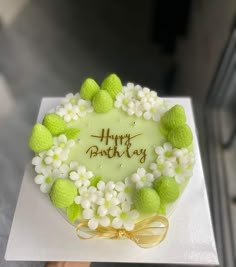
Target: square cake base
x: 39, y: 233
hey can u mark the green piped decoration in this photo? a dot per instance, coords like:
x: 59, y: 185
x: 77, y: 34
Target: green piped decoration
x: 55, y: 124
x: 181, y: 136
x: 102, y: 102
x: 112, y: 84
x: 146, y: 200
x: 74, y: 212
x: 40, y: 138
x: 63, y: 193
x: 88, y: 89
x: 72, y: 133
x: 167, y: 188
x: 173, y: 118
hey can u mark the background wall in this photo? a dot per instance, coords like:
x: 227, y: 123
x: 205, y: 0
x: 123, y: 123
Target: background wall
x: 198, y: 56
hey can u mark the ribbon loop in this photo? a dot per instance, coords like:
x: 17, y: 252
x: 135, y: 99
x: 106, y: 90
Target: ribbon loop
x: 146, y: 233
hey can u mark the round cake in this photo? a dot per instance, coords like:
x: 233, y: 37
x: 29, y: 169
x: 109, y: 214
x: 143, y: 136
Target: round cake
x: 113, y: 155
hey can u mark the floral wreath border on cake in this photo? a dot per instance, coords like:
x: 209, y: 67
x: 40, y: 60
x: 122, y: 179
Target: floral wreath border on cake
x: 107, y: 209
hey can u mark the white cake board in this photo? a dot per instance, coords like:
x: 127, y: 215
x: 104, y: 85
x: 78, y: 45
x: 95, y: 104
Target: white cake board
x: 39, y: 233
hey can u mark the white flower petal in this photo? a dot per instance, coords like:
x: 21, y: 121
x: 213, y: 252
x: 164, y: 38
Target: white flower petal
x: 88, y: 214
x: 78, y: 199
x: 117, y: 223
x: 120, y: 186
x: 36, y: 160
x: 93, y: 224
x: 39, y: 179
x: 104, y: 221
x: 125, y: 206
x: 48, y: 160
x: 129, y: 225
x: 85, y: 203
x: 56, y: 163
x: 114, y: 211
x: 102, y: 211
x: 45, y: 188
x: 74, y: 176
x: 101, y: 185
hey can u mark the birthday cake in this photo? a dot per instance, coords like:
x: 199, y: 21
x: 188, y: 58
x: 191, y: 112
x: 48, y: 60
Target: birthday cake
x: 113, y: 155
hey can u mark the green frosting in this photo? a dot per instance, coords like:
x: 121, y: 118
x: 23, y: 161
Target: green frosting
x: 102, y: 102
x: 55, y: 124
x: 146, y: 200
x: 88, y: 89
x: 72, y: 133
x: 63, y: 193
x: 116, y: 168
x: 74, y: 212
x: 181, y: 136
x: 173, y: 118
x: 167, y: 188
x: 40, y: 138
x: 112, y: 84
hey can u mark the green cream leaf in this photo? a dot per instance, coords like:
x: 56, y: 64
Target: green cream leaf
x: 74, y: 212
x: 95, y: 180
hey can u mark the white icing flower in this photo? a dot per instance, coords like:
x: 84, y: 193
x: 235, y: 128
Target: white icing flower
x: 68, y: 112
x: 126, y: 217
x: 81, y: 176
x: 124, y: 190
x: 184, y: 157
x: 107, y: 191
x: 40, y: 164
x: 87, y: 196
x: 84, y: 107
x: 46, y: 180
x: 71, y: 98
x: 94, y: 219
x: 122, y: 101
x: 165, y: 152
x: 162, y: 167
x: 152, y: 111
x: 55, y: 157
x: 132, y: 89
x: 171, y: 162
x: 181, y: 173
x: 135, y: 108
x: 141, y: 178
x: 62, y: 171
x: 146, y: 95
x: 62, y: 142
x: 108, y: 206
x: 127, y: 96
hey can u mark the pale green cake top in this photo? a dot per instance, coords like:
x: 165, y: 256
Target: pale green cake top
x: 113, y: 154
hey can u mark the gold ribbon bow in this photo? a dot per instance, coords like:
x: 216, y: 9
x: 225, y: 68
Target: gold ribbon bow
x: 146, y: 233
